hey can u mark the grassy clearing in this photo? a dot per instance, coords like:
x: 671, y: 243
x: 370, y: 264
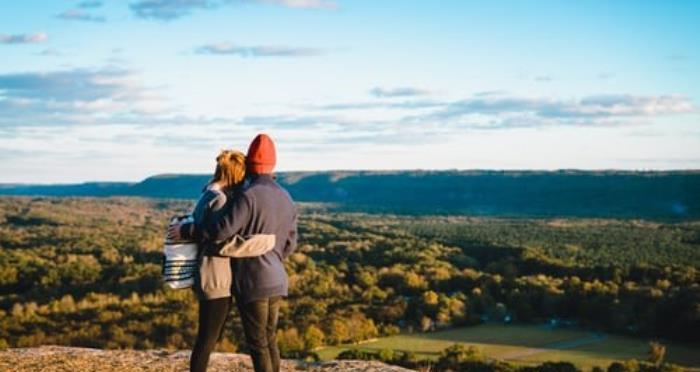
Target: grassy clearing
x: 528, y: 344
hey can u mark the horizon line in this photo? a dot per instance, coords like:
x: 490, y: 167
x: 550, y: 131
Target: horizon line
x: 509, y: 170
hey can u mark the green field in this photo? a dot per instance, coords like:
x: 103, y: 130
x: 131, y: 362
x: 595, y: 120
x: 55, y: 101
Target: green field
x: 528, y: 344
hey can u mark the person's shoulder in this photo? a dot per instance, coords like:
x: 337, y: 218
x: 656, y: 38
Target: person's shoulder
x: 213, y: 192
x: 282, y: 195
x: 269, y: 183
x: 242, y: 194
x: 265, y: 189
x: 250, y: 192
x: 285, y: 192
x: 255, y: 185
x: 214, y: 197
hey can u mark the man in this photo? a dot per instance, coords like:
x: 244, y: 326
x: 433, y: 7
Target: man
x: 259, y: 283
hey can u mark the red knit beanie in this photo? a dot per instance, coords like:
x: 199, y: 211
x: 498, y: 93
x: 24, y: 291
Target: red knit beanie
x: 261, y: 156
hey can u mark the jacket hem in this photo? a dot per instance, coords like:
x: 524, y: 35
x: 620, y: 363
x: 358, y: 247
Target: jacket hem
x: 212, y: 295
x: 283, y: 292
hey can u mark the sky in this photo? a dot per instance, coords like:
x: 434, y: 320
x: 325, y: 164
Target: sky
x: 118, y: 90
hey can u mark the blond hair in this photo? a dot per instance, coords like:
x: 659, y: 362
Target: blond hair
x: 230, y: 168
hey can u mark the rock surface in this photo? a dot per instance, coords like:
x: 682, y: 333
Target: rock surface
x: 75, y: 359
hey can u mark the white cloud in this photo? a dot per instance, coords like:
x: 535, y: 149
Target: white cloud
x: 50, y: 52
x: 74, y: 96
x: 90, y: 4
x: 307, y: 4
x: 397, y: 92
x: 38, y: 37
x: 167, y: 10
x: 171, y: 9
x: 508, y: 111
x: 257, y: 51
x: 80, y: 15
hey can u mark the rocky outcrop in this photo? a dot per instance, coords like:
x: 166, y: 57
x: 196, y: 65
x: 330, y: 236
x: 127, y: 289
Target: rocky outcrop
x: 75, y: 359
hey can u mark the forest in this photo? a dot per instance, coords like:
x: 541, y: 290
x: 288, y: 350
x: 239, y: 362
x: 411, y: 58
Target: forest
x: 86, y: 272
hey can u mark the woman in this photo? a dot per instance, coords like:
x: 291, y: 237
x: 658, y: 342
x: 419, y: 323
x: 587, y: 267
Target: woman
x: 213, y: 281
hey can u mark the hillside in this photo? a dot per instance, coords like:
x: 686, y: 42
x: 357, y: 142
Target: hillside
x: 86, y: 272
x: 669, y: 195
x: 71, y: 359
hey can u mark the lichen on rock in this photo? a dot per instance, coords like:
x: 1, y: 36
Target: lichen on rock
x: 76, y: 359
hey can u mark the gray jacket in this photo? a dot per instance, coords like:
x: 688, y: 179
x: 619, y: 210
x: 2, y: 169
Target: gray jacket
x: 214, y: 278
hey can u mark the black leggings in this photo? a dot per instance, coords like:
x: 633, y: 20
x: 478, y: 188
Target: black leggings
x: 260, y: 327
x: 212, y: 316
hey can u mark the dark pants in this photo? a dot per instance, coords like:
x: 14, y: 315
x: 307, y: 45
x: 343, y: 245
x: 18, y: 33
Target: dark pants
x: 260, y: 326
x: 212, y: 316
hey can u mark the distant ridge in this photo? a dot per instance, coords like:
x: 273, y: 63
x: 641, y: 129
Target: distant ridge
x: 577, y: 193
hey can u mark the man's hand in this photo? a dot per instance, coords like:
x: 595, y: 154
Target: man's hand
x: 174, y: 232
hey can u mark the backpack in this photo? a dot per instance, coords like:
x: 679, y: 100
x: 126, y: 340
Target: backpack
x: 179, y: 261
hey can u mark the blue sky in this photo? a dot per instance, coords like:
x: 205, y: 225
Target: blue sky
x: 121, y: 90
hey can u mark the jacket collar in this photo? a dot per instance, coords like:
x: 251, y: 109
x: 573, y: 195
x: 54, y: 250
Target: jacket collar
x: 262, y: 177
x: 213, y: 187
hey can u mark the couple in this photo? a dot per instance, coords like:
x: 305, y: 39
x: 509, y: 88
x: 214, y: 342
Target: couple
x: 231, y: 208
